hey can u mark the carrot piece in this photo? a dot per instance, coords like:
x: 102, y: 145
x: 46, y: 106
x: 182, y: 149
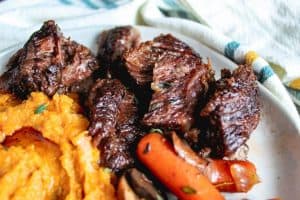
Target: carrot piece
x: 225, y: 175
x: 218, y: 172
x: 244, y: 175
x: 183, y: 179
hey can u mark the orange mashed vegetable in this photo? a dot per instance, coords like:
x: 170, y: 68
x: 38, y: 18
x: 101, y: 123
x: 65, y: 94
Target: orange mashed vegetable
x: 66, y: 168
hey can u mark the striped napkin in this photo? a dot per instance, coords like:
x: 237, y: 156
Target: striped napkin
x: 199, y: 19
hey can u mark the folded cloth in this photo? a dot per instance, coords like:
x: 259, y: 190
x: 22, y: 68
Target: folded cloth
x: 165, y: 13
x: 19, y: 18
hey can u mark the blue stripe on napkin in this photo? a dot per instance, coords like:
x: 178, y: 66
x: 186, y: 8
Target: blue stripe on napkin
x: 230, y: 49
x: 96, y: 4
x: 90, y: 4
x: 265, y: 73
x: 67, y: 2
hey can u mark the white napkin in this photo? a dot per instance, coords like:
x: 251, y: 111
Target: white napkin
x: 19, y: 18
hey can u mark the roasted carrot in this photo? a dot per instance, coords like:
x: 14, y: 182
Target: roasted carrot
x: 225, y: 175
x: 183, y: 179
x: 243, y: 174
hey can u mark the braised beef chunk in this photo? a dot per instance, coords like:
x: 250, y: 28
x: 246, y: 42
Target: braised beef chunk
x: 178, y: 81
x: 232, y: 112
x: 168, y: 43
x: 113, y: 45
x: 114, y: 42
x: 140, y: 61
x: 113, y: 118
x: 48, y: 62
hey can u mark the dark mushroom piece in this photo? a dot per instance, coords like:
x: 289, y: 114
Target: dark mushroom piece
x: 124, y: 191
x: 135, y: 185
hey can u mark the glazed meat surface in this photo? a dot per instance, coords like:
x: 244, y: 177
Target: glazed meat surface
x: 114, y: 42
x: 232, y: 112
x: 48, y: 62
x: 113, y: 45
x: 140, y: 61
x: 113, y: 117
x: 179, y: 79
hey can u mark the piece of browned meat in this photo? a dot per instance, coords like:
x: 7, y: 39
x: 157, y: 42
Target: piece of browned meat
x: 179, y: 79
x: 113, y: 43
x: 113, y: 118
x: 232, y: 112
x: 140, y: 61
x: 48, y: 62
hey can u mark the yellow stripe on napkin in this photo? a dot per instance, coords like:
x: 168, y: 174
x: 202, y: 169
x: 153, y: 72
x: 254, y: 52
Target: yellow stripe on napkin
x: 250, y: 57
x: 295, y: 84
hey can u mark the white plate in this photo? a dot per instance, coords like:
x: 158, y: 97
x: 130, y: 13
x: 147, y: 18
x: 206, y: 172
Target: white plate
x: 274, y: 145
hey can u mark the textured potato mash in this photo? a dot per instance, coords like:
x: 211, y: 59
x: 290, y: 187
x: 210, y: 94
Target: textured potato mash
x: 63, y: 166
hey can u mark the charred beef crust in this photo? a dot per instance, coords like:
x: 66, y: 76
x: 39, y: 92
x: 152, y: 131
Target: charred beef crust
x: 140, y: 61
x: 113, y: 119
x: 179, y: 79
x: 232, y: 112
x: 114, y: 42
x: 48, y: 62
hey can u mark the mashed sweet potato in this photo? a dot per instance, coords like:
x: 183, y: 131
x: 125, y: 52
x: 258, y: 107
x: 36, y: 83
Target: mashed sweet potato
x: 63, y: 166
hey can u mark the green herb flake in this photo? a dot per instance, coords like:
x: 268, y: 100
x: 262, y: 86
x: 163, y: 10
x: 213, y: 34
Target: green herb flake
x: 41, y: 108
x: 155, y: 106
x: 164, y: 85
x: 188, y: 190
x: 107, y: 170
x: 156, y: 130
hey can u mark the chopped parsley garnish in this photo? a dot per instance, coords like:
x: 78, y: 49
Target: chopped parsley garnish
x: 188, y: 190
x: 156, y: 130
x: 107, y: 170
x: 164, y: 85
x: 41, y: 108
x: 154, y: 106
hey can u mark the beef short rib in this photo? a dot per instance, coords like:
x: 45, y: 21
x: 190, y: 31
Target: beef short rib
x: 48, y: 62
x: 113, y: 43
x: 232, y: 112
x: 140, y: 61
x: 178, y: 81
x: 113, y: 117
